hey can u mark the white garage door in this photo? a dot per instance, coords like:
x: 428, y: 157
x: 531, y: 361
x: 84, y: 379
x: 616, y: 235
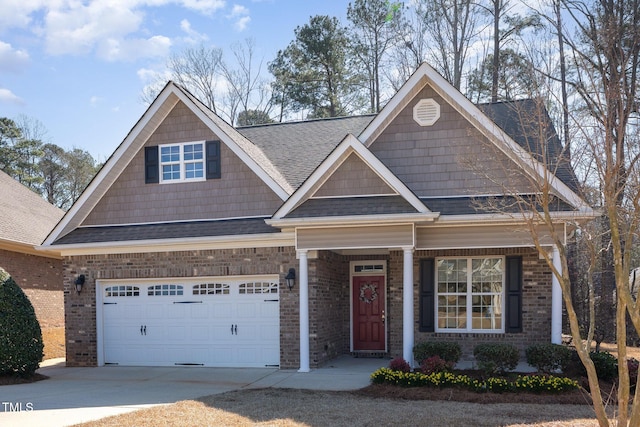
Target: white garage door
x: 226, y: 322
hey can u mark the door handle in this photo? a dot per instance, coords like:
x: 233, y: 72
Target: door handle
x: 384, y: 318
x: 141, y: 329
x: 235, y: 329
x: 145, y: 329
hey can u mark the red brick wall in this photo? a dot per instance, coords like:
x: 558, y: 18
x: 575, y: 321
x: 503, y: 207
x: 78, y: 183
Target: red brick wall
x: 80, y: 315
x: 536, y: 302
x: 41, y: 280
x: 328, y: 296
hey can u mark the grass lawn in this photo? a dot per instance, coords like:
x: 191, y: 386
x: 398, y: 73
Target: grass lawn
x: 287, y: 407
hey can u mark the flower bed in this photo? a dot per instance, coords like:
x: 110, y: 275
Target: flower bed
x: 522, y: 383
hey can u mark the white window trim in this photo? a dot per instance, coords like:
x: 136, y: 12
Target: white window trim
x: 182, y: 163
x: 469, y: 295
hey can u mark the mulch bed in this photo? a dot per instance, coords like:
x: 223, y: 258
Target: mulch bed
x: 12, y: 379
x: 576, y: 397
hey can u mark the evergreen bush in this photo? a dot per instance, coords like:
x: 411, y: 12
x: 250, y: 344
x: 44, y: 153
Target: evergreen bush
x: 449, y: 351
x: 20, y: 335
x: 548, y: 357
x: 496, y: 358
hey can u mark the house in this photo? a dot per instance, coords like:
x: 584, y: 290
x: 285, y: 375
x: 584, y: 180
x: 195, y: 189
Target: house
x: 185, y: 242
x: 25, y: 221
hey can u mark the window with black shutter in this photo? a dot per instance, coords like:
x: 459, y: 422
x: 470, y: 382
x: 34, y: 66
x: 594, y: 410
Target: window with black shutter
x: 183, y: 162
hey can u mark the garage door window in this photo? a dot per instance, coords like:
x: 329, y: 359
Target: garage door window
x: 159, y: 290
x: 258, y: 288
x: 122, y: 291
x: 211, y: 289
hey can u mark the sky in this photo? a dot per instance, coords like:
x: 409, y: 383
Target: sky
x: 79, y: 67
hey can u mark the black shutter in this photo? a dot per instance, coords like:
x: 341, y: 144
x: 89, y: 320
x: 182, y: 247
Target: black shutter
x: 213, y: 159
x: 151, y: 166
x: 514, y: 294
x: 427, y: 295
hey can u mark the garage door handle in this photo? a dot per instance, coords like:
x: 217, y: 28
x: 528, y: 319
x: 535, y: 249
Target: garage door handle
x: 234, y: 329
x: 143, y: 329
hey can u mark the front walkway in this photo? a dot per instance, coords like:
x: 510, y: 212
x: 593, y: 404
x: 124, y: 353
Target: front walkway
x: 75, y: 395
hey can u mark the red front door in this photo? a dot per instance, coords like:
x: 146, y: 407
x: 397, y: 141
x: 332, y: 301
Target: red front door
x: 368, y: 313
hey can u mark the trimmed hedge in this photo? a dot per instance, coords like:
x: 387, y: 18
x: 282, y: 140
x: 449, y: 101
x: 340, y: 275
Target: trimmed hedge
x: 496, y: 357
x: 548, y: 357
x: 449, y: 351
x: 20, y: 335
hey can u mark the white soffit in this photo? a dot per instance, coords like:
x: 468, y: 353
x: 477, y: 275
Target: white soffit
x: 426, y: 112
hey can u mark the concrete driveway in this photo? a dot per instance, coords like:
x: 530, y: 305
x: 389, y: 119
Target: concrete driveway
x: 75, y: 395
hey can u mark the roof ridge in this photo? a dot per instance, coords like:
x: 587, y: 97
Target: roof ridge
x: 294, y: 122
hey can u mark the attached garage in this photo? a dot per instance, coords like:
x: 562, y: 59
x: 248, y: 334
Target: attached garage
x: 205, y: 321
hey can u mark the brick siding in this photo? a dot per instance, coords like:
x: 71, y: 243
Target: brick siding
x: 41, y: 280
x: 329, y: 305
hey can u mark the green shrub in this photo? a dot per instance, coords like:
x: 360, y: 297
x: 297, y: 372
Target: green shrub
x: 449, y: 351
x: 496, y: 358
x: 20, y: 335
x: 548, y: 357
x: 605, y: 363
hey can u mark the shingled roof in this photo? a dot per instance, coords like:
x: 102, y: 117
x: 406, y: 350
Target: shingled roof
x: 297, y: 148
x: 524, y: 121
x: 25, y: 217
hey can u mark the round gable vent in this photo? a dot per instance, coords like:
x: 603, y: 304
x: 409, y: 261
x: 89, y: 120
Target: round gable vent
x: 426, y: 112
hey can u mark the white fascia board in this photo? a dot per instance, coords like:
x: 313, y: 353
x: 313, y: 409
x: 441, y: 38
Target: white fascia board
x: 348, y: 145
x: 231, y: 144
x: 175, y: 245
x: 27, y: 248
x: 514, y: 218
x: 348, y: 221
x: 73, y: 214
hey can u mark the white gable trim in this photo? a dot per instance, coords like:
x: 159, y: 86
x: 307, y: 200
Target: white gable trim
x: 81, y: 208
x: 126, y: 151
x: 350, y: 144
x: 425, y: 74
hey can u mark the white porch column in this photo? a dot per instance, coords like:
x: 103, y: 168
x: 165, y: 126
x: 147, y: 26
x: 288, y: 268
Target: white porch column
x: 407, y: 306
x: 304, y: 312
x: 556, y: 300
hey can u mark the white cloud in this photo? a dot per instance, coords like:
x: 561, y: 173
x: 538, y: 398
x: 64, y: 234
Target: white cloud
x: 132, y: 49
x: 241, y: 16
x: 13, y: 60
x: 206, y: 7
x: 8, y: 97
x: 241, y: 24
x: 94, y: 101
x: 193, y: 37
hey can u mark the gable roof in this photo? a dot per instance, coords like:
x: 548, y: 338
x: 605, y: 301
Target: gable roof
x: 410, y: 203
x: 520, y: 154
x: 159, y: 109
x: 25, y: 218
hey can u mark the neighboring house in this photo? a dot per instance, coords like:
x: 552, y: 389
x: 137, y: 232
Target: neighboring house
x: 186, y: 236
x: 25, y: 221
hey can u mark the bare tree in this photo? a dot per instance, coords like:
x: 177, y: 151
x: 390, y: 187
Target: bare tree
x: 247, y: 89
x: 452, y: 26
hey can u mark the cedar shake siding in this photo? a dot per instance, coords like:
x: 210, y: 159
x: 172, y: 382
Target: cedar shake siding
x: 238, y: 193
x: 446, y: 159
x: 353, y: 177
